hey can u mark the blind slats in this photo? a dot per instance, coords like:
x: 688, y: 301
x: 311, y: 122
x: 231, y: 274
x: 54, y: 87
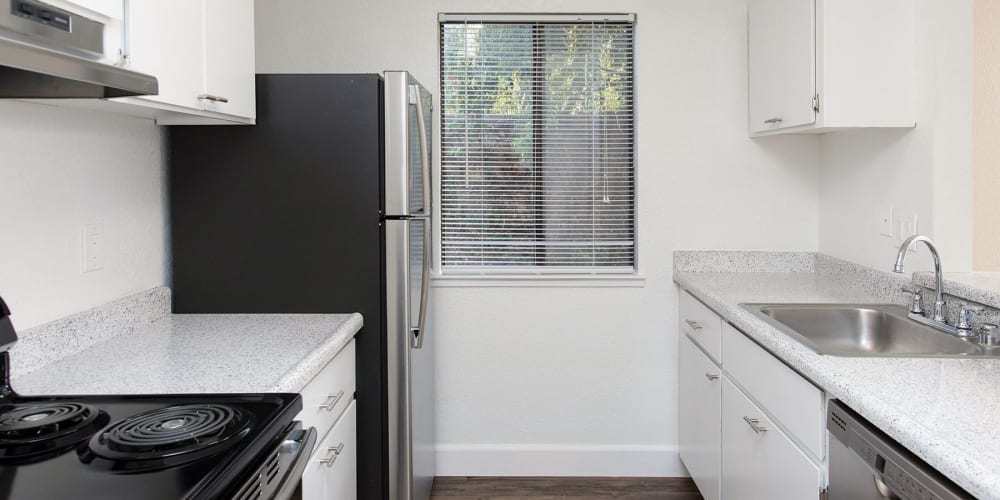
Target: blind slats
x: 537, y: 145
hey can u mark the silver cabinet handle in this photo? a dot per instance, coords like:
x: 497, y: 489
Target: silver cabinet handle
x: 755, y: 425
x: 332, y: 457
x: 695, y: 325
x: 331, y: 401
x: 215, y: 98
x: 711, y: 376
x: 776, y: 120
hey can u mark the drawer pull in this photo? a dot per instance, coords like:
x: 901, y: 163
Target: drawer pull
x: 213, y: 98
x: 331, y: 401
x: 695, y: 325
x: 755, y: 425
x: 773, y: 121
x: 333, y: 454
x: 711, y: 376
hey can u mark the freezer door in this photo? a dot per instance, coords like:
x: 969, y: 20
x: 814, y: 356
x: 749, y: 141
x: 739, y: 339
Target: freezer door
x: 408, y: 110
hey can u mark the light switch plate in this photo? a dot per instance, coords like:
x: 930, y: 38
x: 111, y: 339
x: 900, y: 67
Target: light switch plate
x: 906, y: 226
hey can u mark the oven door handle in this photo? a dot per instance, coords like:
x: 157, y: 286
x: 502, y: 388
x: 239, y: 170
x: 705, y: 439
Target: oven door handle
x: 300, y: 443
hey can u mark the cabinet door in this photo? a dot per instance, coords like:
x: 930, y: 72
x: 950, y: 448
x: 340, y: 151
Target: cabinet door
x: 166, y: 40
x: 313, y: 485
x: 761, y: 464
x: 332, y: 470
x: 342, y: 476
x: 782, y: 63
x: 700, y: 414
x: 229, y: 57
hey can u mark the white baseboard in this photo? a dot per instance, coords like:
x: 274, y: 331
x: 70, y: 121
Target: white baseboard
x: 559, y: 460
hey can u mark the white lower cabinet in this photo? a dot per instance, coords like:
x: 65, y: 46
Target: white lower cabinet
x: 332, y: 470
x: 327, y: 395
x: 700, y: 418
x: 328, y: 405
x: 759, y: 461
x: 749, y: 427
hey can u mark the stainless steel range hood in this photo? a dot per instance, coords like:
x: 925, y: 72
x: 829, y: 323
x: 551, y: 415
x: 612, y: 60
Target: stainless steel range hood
x: 47, y: 52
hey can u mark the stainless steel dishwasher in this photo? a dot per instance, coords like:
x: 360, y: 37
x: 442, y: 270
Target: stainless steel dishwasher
x: 866, y: 464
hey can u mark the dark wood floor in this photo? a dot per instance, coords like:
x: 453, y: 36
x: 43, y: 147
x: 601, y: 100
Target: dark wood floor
x: 552, y: 488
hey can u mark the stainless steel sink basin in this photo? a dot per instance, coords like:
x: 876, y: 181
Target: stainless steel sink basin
x: 864, y: 330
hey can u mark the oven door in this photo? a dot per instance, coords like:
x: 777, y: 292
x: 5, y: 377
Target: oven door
x: 279, y: 476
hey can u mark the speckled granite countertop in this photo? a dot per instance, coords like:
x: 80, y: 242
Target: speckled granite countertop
x: 197, y: 353
x: 943, y: 410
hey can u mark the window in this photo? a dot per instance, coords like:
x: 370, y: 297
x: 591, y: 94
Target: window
x: 537, y: 144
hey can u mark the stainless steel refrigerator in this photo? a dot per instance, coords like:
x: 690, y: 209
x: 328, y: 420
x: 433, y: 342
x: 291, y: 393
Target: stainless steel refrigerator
x: 324, y: 207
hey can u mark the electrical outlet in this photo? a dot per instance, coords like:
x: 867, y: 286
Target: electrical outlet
x: 93, y: 247
x: 885, y: 222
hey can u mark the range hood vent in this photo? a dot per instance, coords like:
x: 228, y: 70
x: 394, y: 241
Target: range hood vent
x: 47, y: 52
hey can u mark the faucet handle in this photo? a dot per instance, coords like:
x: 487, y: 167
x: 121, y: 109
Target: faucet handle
x: 965, y: 313
x: 917, y: 306
x: 988, y: 334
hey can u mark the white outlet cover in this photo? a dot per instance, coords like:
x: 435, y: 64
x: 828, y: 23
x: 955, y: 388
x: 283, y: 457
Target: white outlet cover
x: 93, y: 247
x: 885, y: 222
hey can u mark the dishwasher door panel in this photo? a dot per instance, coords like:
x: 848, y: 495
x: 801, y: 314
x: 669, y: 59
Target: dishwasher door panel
x: 866, y: 464
x: 850, y: 478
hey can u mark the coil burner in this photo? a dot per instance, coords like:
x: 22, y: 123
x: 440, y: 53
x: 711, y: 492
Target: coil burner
x: 33, y: 431
x: 167, y: 437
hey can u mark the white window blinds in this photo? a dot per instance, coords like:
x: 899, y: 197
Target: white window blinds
x: 537, y: 144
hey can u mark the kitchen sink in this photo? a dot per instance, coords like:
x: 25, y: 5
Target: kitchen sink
x: 864, y: 330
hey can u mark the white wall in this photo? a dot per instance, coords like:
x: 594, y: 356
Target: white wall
x: 985, y: 130
x: 925, y: 171
x: 582, y: 380
x: 59, y: 170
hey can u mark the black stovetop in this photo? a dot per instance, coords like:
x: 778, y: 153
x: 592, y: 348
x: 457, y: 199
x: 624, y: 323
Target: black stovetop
x: 150, y: 447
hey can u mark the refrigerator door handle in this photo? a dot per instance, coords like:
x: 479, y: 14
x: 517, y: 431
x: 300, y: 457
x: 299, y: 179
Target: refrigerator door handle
x: 419, y: 332
x: 425, y: 156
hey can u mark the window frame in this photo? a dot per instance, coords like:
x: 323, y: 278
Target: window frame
x: 533, y: 276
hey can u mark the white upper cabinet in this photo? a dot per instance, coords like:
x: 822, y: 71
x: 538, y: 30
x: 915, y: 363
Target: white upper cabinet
x: 166, y: 41
x: 823, y: 65
x: 112, y: 8
x: 782, y: 63
x: 202, y: 53
x: 229, y: 57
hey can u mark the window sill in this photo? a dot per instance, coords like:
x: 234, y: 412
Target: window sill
x: 537, y: 281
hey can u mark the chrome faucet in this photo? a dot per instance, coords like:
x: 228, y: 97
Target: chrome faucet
x: 938, y: 314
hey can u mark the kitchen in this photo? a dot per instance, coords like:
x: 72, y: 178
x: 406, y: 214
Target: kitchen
x: 564, y: 375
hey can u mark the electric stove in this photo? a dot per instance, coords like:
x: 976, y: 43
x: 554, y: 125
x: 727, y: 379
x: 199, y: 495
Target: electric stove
x: 241, y: 446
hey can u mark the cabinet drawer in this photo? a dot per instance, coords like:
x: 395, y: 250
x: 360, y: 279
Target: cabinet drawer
x: 703, y: 325
x: 699, y: 425
x: 332, y: 470
x: 759, y: 460
x: 788, y: 397
x: 330, y: 392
